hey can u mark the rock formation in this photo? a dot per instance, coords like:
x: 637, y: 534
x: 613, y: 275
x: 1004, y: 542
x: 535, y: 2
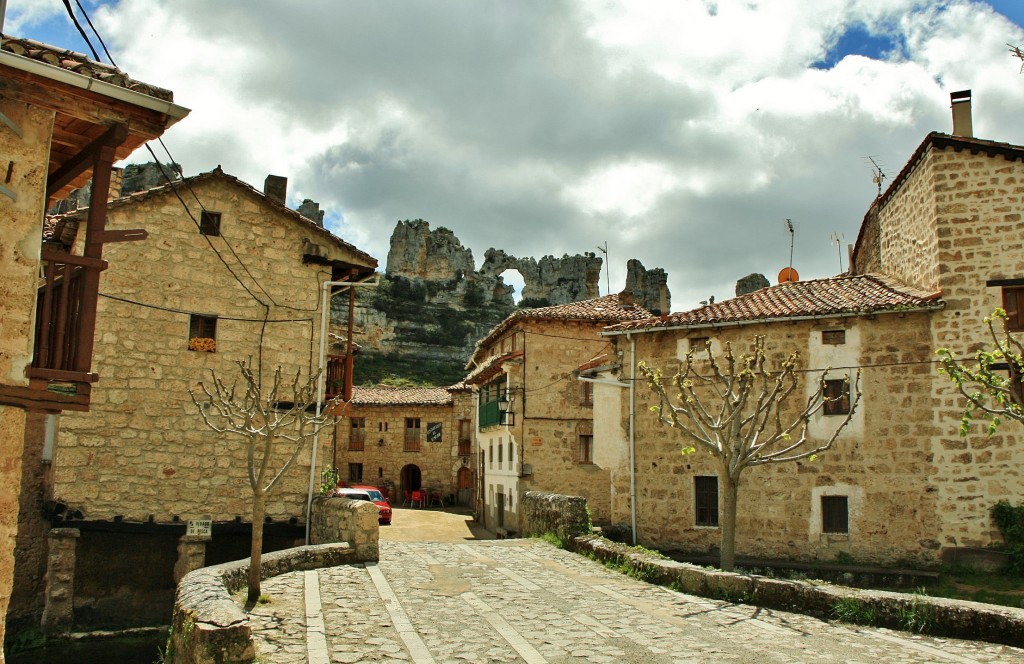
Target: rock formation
x: 645, y: 285
x: 750, y: 283
x: 433, y: 304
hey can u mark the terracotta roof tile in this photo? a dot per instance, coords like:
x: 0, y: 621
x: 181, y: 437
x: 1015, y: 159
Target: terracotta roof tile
x: 401, y: 396
x: 843, y: 295
x: 80, y: 64
x: 607, y: 309
x: 490, y: 368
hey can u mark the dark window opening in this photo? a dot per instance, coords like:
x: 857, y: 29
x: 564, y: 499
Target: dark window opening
x: 412, y: 434
x: 357, y: 434
x: 202, y: 333
x: 699, y: 343
x: 209, y: 223
x: 837, y: 397
x: 586, y: 448
x: 355, y: 472
x: 833, y: 337
x: 835, y: 515
x: 705, y: 490
x: 1013, y: 303
x: 586, y: 394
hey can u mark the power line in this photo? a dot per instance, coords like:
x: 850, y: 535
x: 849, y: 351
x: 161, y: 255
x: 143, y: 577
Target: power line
x: 81, y: 31
x: 199, y: 313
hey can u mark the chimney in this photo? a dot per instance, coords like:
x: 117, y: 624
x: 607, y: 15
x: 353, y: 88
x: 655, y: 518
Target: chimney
x: 961, y: 102
x: 275, y: 187
x: 311, y: 210
x: 663, y: 296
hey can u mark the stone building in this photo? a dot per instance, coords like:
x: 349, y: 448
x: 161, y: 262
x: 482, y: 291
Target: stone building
x: 227, y: 274
x: 938, y: 251
x: 407, y: 439
x: 534, y: 420
x: 63, y: 120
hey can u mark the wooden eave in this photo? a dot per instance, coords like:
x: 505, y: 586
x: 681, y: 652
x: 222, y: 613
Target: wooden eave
x: 82, y: 116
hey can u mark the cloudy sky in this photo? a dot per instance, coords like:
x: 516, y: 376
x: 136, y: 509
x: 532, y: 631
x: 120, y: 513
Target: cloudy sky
x: 682, y: 133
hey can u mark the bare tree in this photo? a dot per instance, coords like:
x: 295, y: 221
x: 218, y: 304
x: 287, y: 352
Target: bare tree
x: 992, y: 384
x: 738, y: 410
x: 266, y: 422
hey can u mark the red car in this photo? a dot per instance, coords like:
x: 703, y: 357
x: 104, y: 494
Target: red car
x: 370, y: 494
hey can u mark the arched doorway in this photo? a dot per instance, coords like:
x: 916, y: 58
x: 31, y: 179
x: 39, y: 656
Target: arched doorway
x: 411, y: 480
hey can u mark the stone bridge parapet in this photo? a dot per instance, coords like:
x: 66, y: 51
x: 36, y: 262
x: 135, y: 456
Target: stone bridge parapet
x: 564, y: 516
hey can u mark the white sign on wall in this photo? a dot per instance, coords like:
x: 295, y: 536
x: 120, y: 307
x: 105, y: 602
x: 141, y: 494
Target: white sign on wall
x: 201, y: 527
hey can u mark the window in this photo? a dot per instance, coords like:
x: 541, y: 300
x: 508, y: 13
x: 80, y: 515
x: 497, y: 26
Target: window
x: 465, y: 437
x: 586, y: 394
x: 833, y: 337
x: 355, y: 472
x: 490, y: 454
x: 586, y: 448
x: 357, y: 434
x: 1013, y: 303
x: 488, y: 412
x: 382, y: 427
x: 501, y: 452
x: 837, y: 397
x: 699, y: 344
x: 412, y: 434
x: 705, y: 492
x: 835, y: 515
x: 209, y: 223
x: 202, y: 333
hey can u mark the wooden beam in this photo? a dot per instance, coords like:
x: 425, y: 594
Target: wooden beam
x: 78, y: 164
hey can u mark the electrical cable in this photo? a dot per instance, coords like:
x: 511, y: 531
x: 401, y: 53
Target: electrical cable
x: 81, y: 31
x: 198, y: 313
x: 95, y: 32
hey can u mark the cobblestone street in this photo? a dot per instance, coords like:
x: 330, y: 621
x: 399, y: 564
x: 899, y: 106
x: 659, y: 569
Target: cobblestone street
x: 527, y: 601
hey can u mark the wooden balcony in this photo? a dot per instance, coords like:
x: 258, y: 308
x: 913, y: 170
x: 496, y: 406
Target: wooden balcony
x: 336, y: 371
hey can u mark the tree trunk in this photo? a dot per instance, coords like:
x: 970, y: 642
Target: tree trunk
x: 728, y: 489
x: 259, y: 508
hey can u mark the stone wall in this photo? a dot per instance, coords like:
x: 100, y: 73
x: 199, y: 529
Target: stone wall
x: 19, y: 270
x: 143, y: 452
x: 383, y: 463
x: 881, y: 462
x: 565, y: 516
x: 970, y: 233
x: 341, y: 520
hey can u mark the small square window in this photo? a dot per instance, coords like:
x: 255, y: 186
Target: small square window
x: 355, y: 472
x: 699, y: 344
x: 202, y: 333
x: 835, y: 515
x: 833, y: 337
x: 209, y: 223
x: 837, y: 397
x: 705, y: 491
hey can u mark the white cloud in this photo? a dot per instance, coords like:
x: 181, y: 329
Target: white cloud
x: 682, y: 132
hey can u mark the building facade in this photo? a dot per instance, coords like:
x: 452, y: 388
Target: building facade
x: 63, y: 120
x: 534, y: 427
x: 901, y: 485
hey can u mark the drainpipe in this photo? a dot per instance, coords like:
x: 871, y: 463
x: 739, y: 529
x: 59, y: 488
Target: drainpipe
x: 325, y: 301
x: 3, y: 10
x: 632, y: 435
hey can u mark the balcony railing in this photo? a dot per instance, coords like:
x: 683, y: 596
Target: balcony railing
x: 489, y: 414
x: 335, y: 375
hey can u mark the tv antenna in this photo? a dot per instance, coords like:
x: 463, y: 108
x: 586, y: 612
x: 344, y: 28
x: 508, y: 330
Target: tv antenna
x: 792, y: 238
x: 607, y: 266
x: 878, y: 177
x: 837, y: 239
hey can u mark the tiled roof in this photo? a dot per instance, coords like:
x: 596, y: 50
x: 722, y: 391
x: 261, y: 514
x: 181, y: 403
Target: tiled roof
x: 401, y: 396
x: 608, y: 309
x: 836, y: 296
x: 80, y: 64
x: 53, y: 224
x: 490, y: 368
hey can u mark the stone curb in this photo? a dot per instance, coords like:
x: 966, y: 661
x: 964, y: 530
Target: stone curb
x: 208, y: 627
x: 938, y: 616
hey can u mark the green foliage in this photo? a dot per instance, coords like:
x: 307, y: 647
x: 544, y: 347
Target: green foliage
x: 855, y: 611
x: 263, y: 599
x: 553, y: 540
x: 533, y: 302
x: 917, y: 616
x: 474, y: 296
x: 989, y: 385
x: 400, y: 370
x: 1010, y: 521
x: 26, y: 639
x: 328, y: 480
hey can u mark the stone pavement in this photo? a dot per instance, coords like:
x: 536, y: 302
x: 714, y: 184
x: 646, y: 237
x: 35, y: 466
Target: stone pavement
x: 527, y: 601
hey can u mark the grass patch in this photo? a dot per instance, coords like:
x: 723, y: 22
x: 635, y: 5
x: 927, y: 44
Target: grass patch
x: 967, y: 583
x: 855, y: 611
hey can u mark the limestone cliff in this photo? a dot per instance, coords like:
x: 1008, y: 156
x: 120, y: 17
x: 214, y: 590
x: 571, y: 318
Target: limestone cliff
x: 433, y: 303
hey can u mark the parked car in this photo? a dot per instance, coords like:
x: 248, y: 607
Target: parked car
x: 370, y: 494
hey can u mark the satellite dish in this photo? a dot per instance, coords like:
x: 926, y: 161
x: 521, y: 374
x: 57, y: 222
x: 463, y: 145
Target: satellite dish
x: 788, y: 274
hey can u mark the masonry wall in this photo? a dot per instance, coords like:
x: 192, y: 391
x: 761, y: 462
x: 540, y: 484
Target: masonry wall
x: 19, y: 269
x: 383, y: 462
x: 977, y: 229
x: 549, y: 419
x: 143, y: 452
x: 881, y: 462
